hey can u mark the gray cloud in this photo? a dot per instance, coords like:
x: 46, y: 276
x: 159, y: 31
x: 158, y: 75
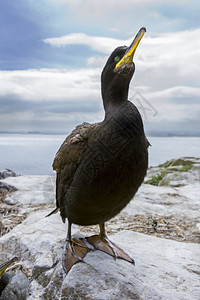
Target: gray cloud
x: 57, y: 107
x: 167, y: 76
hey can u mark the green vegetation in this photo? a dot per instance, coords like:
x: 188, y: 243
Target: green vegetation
x: 155, y: 179
x: 166, y: 164
x: 178, y: 165
x: 185, y: 168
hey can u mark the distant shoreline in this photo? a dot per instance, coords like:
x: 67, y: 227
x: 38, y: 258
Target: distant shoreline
x: 150, y: 133
x: 33, y: 153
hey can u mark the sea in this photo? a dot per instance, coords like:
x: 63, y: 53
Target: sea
x: 33, y: 154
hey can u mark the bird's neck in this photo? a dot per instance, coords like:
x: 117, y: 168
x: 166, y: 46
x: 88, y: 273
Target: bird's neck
x: 114, y: 97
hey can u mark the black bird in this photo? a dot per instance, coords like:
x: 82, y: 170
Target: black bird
x: 101, y: 166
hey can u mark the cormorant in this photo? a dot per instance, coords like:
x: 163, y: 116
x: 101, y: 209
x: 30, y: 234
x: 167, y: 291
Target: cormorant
x: 101, y: 166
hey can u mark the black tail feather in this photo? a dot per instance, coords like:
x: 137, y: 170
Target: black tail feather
x: 52, y: 212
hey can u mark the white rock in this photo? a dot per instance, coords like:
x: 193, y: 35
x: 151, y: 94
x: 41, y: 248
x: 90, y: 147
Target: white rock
x: 4, y: 173
x: 198, y: 227
x: 164, y: 269
x: 32, y: 190
x: 168, y: 201
x: 165, y: 200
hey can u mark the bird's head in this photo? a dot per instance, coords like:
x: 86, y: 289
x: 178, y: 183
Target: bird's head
x: 118, y: 71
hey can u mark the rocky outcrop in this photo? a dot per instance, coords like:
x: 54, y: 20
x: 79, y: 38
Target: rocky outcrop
x: 164, y: 269
x: 175, y: 173
x: 159, y: 229
x: 4, y: 173
x: 6, y: 188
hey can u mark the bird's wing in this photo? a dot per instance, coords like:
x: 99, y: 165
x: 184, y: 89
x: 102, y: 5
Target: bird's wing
x: 69, y: 157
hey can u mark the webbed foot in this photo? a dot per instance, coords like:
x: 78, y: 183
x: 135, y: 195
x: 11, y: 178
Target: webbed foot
x: 105, y: 245
x: 74, y: 251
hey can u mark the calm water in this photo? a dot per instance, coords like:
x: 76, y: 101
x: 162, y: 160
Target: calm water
x: 33, y: 154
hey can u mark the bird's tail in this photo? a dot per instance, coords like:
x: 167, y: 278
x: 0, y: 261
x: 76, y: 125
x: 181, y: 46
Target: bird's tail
x: 53, y: 212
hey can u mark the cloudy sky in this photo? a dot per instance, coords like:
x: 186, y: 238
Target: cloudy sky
x: 52, y: 53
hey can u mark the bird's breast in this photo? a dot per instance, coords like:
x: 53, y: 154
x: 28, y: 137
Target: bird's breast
x: 112, y: 168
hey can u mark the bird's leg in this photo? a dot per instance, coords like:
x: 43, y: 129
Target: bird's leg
x: 101, y: 242
x: 75, y: 249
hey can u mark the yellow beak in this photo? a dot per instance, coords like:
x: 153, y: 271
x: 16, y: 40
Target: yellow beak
x: 128, y: 56
x: 6, y: 264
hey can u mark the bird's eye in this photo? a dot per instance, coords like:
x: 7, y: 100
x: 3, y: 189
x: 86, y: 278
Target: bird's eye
x: 117, y: 58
